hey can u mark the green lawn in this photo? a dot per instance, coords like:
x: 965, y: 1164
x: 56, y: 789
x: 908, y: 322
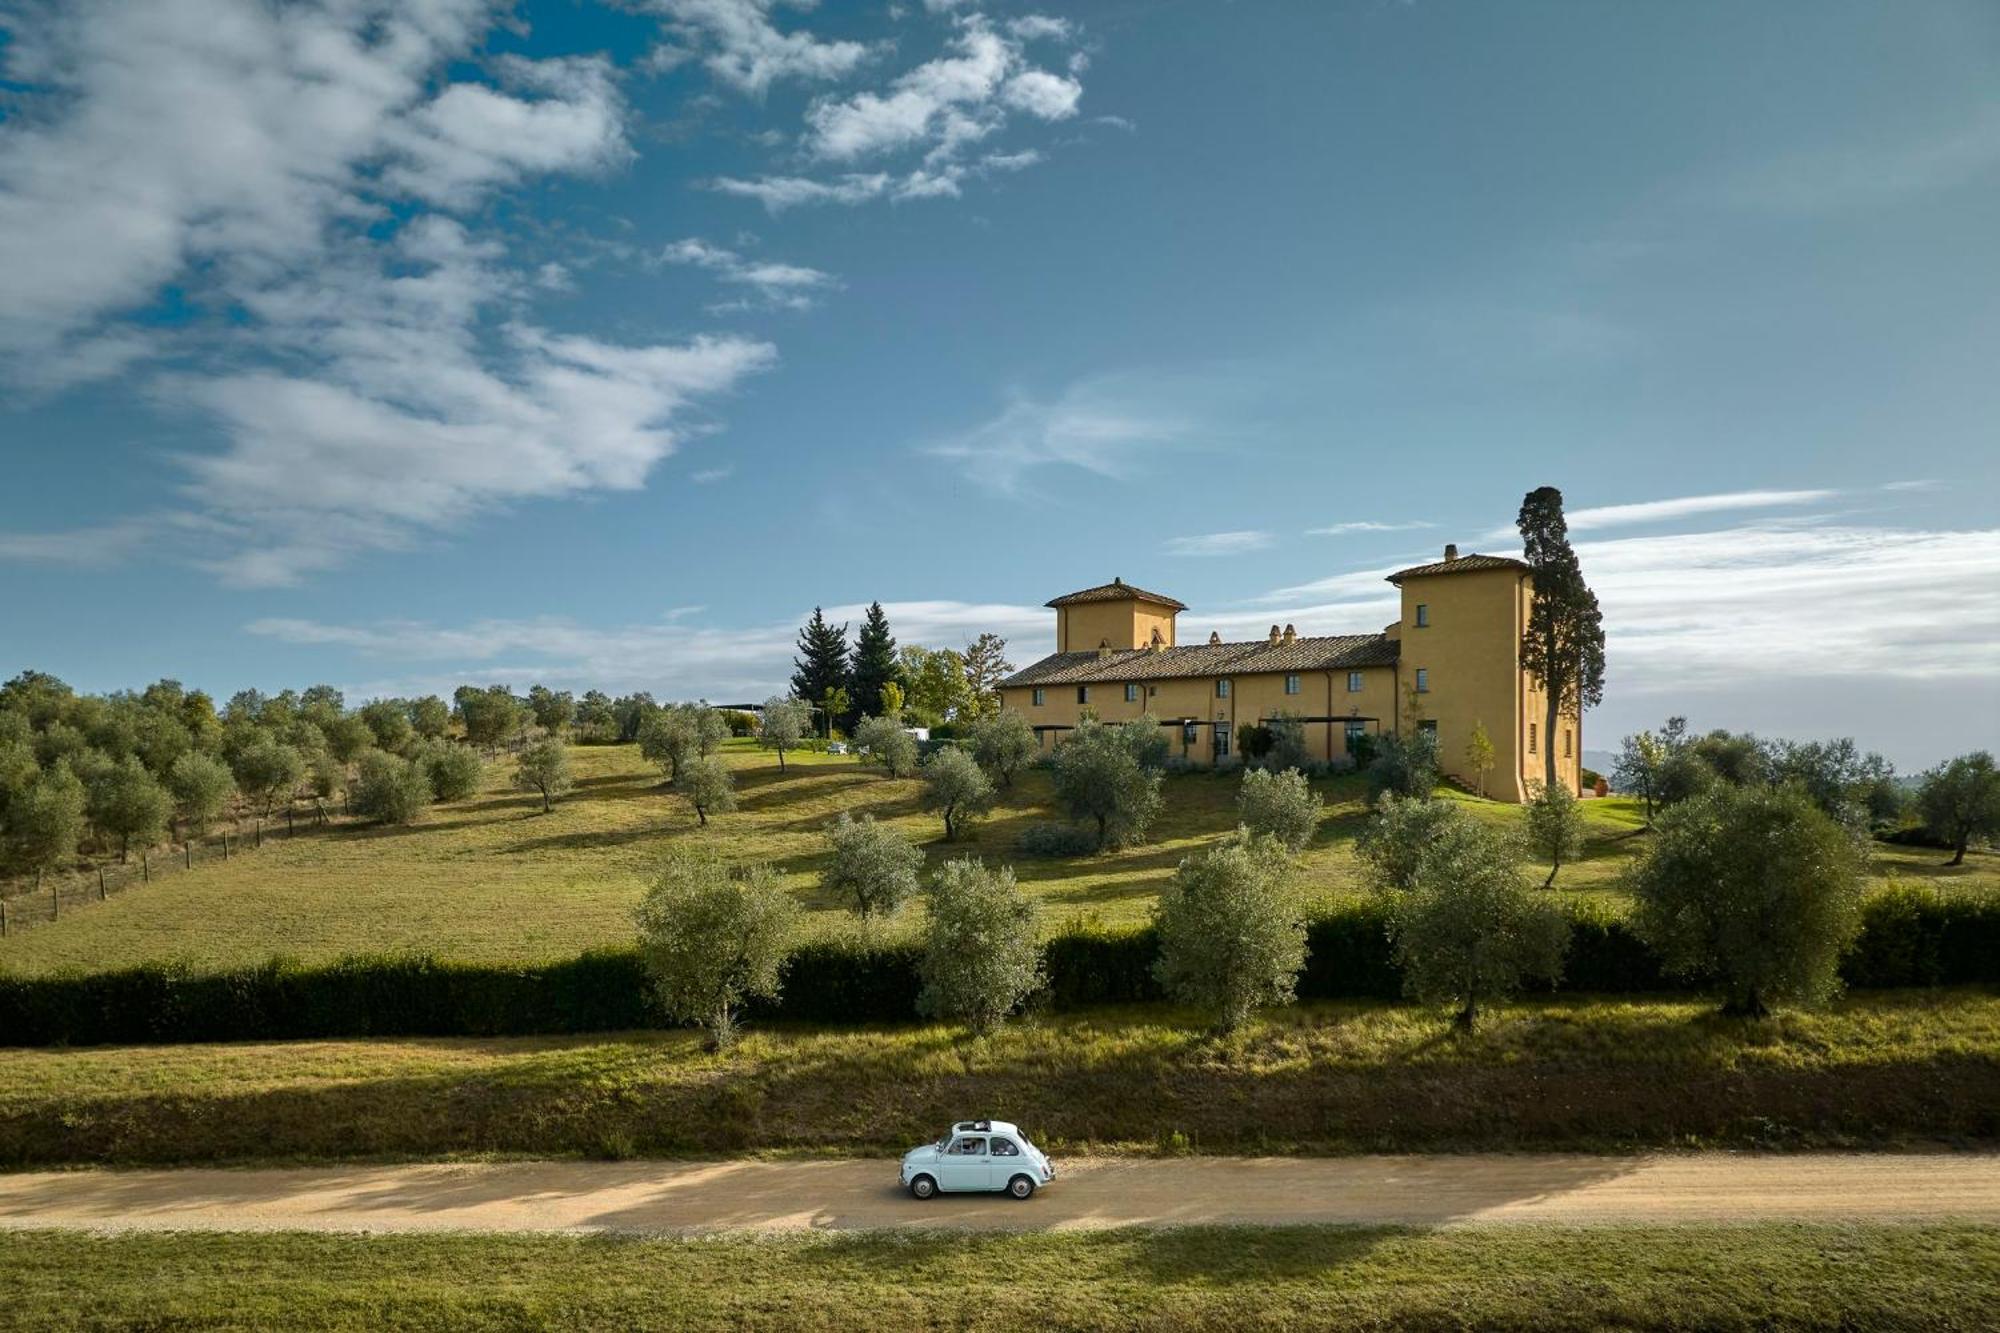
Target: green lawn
x: 1876, y: 1069
x: 494, y: 878
x: 1765, y: 1276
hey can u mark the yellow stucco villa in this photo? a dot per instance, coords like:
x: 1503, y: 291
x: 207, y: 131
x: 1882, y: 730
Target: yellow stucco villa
x: 1450, y: 663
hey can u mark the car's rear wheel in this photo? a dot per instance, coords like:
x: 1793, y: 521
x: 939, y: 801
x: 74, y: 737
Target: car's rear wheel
x: 923, y: 1187
x: 1021, y: 1187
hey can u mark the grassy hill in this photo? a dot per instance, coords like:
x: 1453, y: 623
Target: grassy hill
x: 494, y: 878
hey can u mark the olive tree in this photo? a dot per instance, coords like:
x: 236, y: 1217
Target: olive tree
x: 1757, y: 887
x: 668, y: 739
x: 544, y: 768
x: 1281, y: 805
x: 267, y: 771
x: 388, y: 720
x: 553, y: 710
x: 1003, y: 743
x: 430, y: 716
x: 783, y: 725
x: 982, y: 954
x: 1404, y: 765
x: 201, y: 787
x: 885, y: 742
x: 45, y: 822
x: 1288, y: 749
x: 389, y: 789
x: 1555, y: 826
x: 1400, y: 834
x: 455, y: 771
x: 1960, y: 801
x: 956, y: 787
x: 1468, y: 930
x: 1099, y: 778
x: 708, y: 785
x: 1232, y: 930
x: 1642, y: 757
x: 873, y: 865
x: 712, y: 938
x: 490, y: 716
x: 127, y: 802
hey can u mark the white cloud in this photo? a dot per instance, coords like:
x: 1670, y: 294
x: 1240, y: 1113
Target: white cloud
x: 672, y: 657
x: 1040, y: 27
x: 1365, y: 525
x: 80, y: 548
x: 1219, y: 543
x: 1657, y: 511
x: 789, y: 286
x: 778, y: 193
x: 745, y: 49
x: 710, y: 475
x: 288, y: 164
x: 1103, y: 426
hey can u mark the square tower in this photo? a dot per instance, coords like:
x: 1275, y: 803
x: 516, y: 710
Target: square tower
x: 1116, y: 616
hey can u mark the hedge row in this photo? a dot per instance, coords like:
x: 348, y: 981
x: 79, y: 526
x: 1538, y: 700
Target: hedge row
x: 1909, y: 938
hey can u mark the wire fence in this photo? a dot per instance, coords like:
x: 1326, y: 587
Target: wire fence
x: 48, y: 898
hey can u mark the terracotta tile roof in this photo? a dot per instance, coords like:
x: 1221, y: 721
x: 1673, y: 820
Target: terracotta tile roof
x: 1339, y: 652
x: 1464, y: 564
x: 1115, y: 591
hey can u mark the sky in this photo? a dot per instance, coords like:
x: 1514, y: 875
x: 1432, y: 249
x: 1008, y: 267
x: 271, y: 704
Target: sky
x: 399, y: 345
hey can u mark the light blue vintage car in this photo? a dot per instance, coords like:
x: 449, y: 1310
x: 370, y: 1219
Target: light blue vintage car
x: 977, y: 1155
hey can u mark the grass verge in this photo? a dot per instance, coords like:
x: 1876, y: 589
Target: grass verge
x: 1761, y: 1276
x: 1876, y: 1069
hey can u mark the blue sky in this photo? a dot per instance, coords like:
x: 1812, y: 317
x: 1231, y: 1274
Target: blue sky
x: 403, y: 344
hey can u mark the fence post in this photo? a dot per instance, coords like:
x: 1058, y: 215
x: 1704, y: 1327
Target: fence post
x: 289, y: 830
x: 3, y: 918
x: 187, y: 856
x: 225, y: 846
x: 260, y: 834
x: 145, y: 868
x: 55, y: 901
x: 100, y: 883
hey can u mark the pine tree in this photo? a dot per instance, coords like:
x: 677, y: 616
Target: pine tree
x: 875, y: 665
x: 822, y: 661
x: 1563, y: 644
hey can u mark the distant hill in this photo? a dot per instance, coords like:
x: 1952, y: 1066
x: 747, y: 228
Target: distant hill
x: 1600, y: 761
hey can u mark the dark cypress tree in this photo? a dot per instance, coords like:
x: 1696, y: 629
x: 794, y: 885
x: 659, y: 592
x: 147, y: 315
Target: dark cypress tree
x: 875, y: 664
x: 822, y: 661
x: 1563, y: 644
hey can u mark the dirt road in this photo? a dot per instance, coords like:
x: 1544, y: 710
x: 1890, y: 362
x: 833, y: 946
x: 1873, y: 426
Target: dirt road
x: 835, y: 1195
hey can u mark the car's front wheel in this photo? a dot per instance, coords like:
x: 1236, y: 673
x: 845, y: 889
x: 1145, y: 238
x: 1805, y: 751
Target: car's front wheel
x: 1021, y: 1187
x: 923, y: 1187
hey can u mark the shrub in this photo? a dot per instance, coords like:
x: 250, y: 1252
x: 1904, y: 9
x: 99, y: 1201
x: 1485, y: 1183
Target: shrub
x: 45, y: 821
x: 1099, y: 777
x: 873, y: 865
x: 1554, y: 826
x: 708, y: 785
x: 957, y: 788
x: 390, y: 790
x: 712, y: 938
x: 1757, y: 886
x: 1232, y: 935
x: 388, y: 721
x: 127, y: 803
x: 1280, y: 805
x: 1048, y: 838
x: 1254, y: 739
x: 741, y: 722
x: 1400, y: 834
x: 455, y: 770
x: 1003, y: 743
x: 1288, y: 743
x: 1363, y: 750
x: 267, y: 771
x: 886, y: 743
x: 1404, y: 765
x: 1960, y: 801
x: 980, y: 954
x: 1468, y: 930
x: 544, y: 768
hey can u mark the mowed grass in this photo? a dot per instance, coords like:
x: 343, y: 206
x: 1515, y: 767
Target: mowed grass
x: 494, y: 878
x: 1763, y: 1276
x: 1876, y: 1069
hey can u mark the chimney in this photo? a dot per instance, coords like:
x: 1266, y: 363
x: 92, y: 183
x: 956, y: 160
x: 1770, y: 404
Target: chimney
x: 1450, y: 552
x: 1274, y: 636
x: 1290, y: 634
x: 1117, y: 582
x: 1103, y: 649
x: 1214, y: 638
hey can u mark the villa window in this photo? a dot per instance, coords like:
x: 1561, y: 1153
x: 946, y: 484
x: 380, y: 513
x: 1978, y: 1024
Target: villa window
x: 1423, y: 680
x: 1038, y: 697
x: 1423, y: 615
x: 1187, y: 735
x: 1131, y: 694
x: 1356, y: 733
x: 1531, y: 738
x: 1566, y: 742
x: 1428, y: 727
x: 1291, y: 685
x: 1083, y: 694
x: 1222, y: 740
x: 1354, y: 682
x: 1222, y: 688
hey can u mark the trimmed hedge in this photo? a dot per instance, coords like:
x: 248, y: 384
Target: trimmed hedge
x: 1909, y: 938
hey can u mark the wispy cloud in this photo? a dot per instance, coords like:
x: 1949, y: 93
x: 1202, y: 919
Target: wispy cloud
x: 738, y: 43
x: 708, y: 476
x: 1219, y: 543
x: 1860, y: 175
x: 1366, y: 525
x: 1102, y: 426
x: 781, y: 286
x: 1598, y: 517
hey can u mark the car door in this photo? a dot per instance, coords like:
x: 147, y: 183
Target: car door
x: 1005, y: 1160
x: 964, y: 1164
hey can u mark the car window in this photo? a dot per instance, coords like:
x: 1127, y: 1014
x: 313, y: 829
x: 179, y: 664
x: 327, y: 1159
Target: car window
x: 969, y: 1146
x: 1005, y: 1148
